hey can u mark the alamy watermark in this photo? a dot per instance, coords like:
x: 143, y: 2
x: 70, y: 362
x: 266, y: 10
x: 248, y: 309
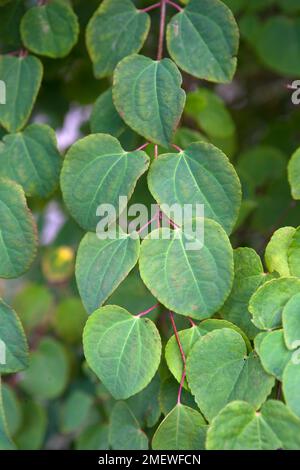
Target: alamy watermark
x: 185, y: 222
x: 295, y: 85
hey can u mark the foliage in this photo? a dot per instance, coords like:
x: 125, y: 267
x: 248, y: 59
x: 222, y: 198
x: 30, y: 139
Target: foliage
x: 133, y: 340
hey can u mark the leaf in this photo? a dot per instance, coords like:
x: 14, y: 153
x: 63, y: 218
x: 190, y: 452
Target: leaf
x: 210, y: 113
x: 267, y: 303
x: 212, y: 324
x: 94, y: 437
x: 125, y: 432
x: 69, y: 319
x: 48, y: 371
x: 199, y: 175
x: 149, y: 97
x: 75, y: 411
x: 248, y: 276
x: 168, y: 396
x: 18, y: 237
x: 219, y: 371
x: 291, y: 383
x: 172, y: 353
x: 12, y: 407
x: 31, y: 159
x: 145, y: 405
x: 276, y: 255
x: 123, y: 350
x: 291, y: 322
x: 96, y: 171
x: 277, y: 33
x: 273, y: 353
x: 22, y: 77
x: 13, y: 343
x: 5, y: 441
x: 203, y: 40
x: 186, y: 277
x: 116, y: 30
x: 102, y: 264
x: 182, y: 429
x: 239, y: 427
x: 294, y: 253
x: 105, y: 118
x: 294, y: 174
x: 32, y: 433
x: 51, y: 29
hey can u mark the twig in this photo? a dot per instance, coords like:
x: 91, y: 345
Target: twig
x: 163, y: 5
x: 145, y: 312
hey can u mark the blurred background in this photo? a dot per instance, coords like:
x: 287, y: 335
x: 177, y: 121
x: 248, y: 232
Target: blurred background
x: 58, y: 403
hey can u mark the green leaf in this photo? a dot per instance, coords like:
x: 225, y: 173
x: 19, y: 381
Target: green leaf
x: 240, y: 427
x: 172, y: 353
x: 145, y: 405
x: 12, y: 407
x: 5, y: 441
x: 168, y: 396
x: 50, y: 30
x: 96, y: 171
x: 149, y: 97
x: 94, y: 437
x: 116, y: 30
x: 182, y: 429
x: 210, y: 113
x: 102, y: 264
x: 13, y: 343
x: 200, y: 174
x: 294, y: 174
x: 48, y: 371
x: 123, y: 350
x: 212, y: 324
x: 186, y: 277
x: 32, y: 433
x: 31, y: 159
x: 125, y: 432
x: 267, y: 303
x: 291, y: 322
x: 273, y: 353
x: 69, y: 319
x: 294, y: 254
x: 18, y: 237
x: 276, y: 255
x: 203, y: 40
x: 105, y: 118
x: 291, y: 383
x: 75, y: 411
x: 22, y: 77
x: 219, y: 371
x: 248, y: 276
x: 273, y: 45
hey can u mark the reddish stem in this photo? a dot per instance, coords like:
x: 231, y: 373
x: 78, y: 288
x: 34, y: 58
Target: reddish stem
x: 173, y: 4
x: 155, y: 152
x: 177, y: 337
x: 191, y: 322
x: 147, y: 311
x: 148, y: 223
x: 177, y: 148
x: 142, y: 146
x: 181, y: 386
x: 151, y: 7
x: 163, y: 7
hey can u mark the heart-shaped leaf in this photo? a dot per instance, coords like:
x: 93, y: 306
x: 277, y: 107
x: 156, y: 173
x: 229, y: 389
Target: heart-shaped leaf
x: 291, y: 383
x: 51, y: 29
x: 125, y: 430
x: 101, y: 265
x: 116, y: 30
x: 13, y: 344
x: 219, y: 371
x: 267, y: 303
x: 291, y: 322
x: 203, y: 40
x: 273, y: 353
x: 17, y: 231
x: 96, y: 171
x: 31, y: 159
x: 239, y: 427
x: 200, y: 174
x: 22, y: 77
x: 148, y: 96
x: 123, y: 350
x: 172, y: 432
x: 188, y: 275
x: 276, y: 255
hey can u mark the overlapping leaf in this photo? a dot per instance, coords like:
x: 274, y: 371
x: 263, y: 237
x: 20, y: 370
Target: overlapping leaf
x: 125, y: 431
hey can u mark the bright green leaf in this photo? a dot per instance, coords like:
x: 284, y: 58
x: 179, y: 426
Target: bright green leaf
x: 291, y: 383
x: 294, y: 174
x: 273, y: 353
x: 291, y: 322
x: 276, y: 255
